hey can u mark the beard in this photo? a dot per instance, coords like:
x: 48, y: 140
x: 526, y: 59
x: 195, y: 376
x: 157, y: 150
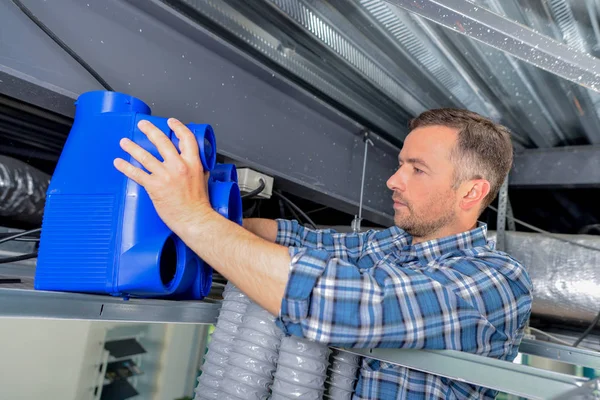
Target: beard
x: 427, y: 219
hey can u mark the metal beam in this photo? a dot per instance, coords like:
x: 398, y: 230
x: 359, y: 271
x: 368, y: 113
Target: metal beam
x: 566, y: 167
x: 149, y: 50
x: 516, y: 379
x: 515, y: 39
x: 28, y: 303
x: 22, y: 301
x: 559, y: 352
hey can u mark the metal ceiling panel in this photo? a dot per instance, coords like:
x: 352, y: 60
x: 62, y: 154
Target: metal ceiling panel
x: 520, y: 41
x: 386, y: 61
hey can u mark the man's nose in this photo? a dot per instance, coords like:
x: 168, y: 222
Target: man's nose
x: 396, y: 182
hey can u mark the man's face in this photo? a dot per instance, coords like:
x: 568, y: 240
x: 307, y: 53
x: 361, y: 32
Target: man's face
x: 424, y: 198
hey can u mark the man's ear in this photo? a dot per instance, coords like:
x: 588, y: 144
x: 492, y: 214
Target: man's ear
x: 473, y: 193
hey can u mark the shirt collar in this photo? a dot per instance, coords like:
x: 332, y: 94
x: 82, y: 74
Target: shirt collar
x: 433, y: 249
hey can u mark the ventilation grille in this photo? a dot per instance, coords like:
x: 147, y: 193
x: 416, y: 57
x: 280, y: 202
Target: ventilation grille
x: 77, y: 238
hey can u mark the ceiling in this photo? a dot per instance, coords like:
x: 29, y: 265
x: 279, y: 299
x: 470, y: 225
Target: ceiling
x: 383, y: 65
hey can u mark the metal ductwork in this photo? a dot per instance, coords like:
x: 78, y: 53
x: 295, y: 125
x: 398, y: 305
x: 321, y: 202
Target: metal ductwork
x: 565, y: 277
x: 22, y: 191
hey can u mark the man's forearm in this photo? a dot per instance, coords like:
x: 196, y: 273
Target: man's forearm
x: 258, y: 268
x: 264, y: 228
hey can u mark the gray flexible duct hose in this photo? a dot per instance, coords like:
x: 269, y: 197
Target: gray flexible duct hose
x: 342, y: 375
x: 216, y: 361
x: 254, y: 355
x: 301, y: 370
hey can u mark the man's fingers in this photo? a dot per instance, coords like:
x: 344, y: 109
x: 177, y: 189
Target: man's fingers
x: 158, y: 138
x: 147, y: 160
x: 137, y: 175
x: 188, y: 145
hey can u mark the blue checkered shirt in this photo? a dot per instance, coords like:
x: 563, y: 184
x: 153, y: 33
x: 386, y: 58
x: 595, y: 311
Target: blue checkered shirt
x: 376, y: 289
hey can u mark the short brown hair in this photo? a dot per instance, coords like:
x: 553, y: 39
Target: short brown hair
x: 483, y: 149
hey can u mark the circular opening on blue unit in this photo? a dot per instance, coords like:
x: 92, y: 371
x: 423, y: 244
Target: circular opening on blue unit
x: 235, y: 204
x: 205, y: 278
x: 168, y: 262
x: 208, y: 151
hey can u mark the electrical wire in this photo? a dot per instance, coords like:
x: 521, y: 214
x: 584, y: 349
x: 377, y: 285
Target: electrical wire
x: 550, y: 336
x: 23, y: 239
x: 294, y: 214
x: 28, y: 239
x: 295, y: 207
x: 588, y: 228
x: 281, y: 208
x: 256, y: 191
x: 21, y: 257
x: 19, y: 235
x: 316, y: 210
x: 250, y: 211
x: 20, y: 239
x: 588, y: 330
x: 62, y: 44
x: 549, y: 234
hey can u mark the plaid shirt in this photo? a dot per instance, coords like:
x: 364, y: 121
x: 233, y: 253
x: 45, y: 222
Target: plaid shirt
x: 376, y: 289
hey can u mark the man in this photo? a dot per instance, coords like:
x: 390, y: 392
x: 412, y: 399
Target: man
x: 430, y: 282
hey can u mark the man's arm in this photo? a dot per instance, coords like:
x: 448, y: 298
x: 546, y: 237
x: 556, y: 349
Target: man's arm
x: 291, y: 233
x: 334, y: 302
x: 264, y: 228
x: 258, y: 267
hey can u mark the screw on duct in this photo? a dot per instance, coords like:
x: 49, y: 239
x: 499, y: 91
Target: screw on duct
x: 216, y: 361
x: 342, y: 375
x: 254, y: 355
x: 301, y: 370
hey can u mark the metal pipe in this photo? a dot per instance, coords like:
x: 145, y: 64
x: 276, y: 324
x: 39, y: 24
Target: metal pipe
x: 565, y: 277
x: 357, y: 220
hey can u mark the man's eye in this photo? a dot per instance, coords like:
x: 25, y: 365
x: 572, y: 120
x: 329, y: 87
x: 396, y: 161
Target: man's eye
x: 418, y: 171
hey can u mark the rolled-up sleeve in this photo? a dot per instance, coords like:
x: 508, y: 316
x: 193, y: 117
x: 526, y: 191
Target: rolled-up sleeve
x: 333, y: 301
x: 341, y: 245
x: 306, y: 269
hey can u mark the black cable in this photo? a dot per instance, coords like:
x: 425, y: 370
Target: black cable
x: 316, y: 210
x: 588, y: 330
x: 294, y: 215
x: 250, y: 211
x: 4, y: 281
x: 281, y: 208
x: 62, y: 44
x: 18, y: 258
x: 256, y: 191
x: 295, y: 207
x: 28, y: 239
x: 20, y: 239
x: 18, y: 235
x: 588, y: 228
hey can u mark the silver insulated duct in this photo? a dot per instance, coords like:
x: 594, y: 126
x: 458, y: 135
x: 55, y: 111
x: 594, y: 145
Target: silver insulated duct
x: 566, y: 277
x: 22, y: 191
